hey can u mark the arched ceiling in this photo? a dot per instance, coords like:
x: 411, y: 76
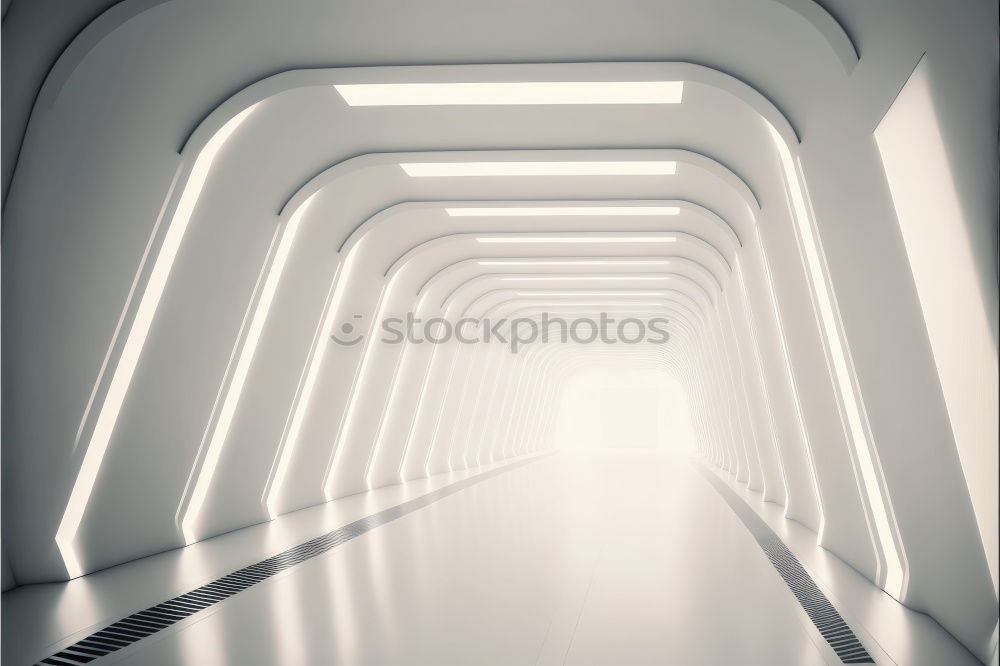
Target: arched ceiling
x: 240, y: 184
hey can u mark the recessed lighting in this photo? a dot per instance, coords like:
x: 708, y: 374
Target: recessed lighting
x: 581, y: 262
x: 556, y: 278
x: 591, y: 293
x: 135, y: 341
x: 240, y: 374
x: 563, y: 211
x: 577, y: 239
x: 512, y: 93
x: 601, y: 304
x: 297, y: 417
x: 479, y: 169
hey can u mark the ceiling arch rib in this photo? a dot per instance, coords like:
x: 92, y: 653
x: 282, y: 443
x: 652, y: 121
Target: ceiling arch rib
x: 150, y: 297
x: 344, y: 283
x: 390, y: 401
x: 829, y: 28
x: 349, y: 447
x: 560, y: 366
x: 450, y: 383
x: 796, y: 423
x: 536, y: 241
x: 683, y: 158
x: 377, y: 440
x: 459, y: 459
x: 421, y: 420
x: 398, y: 263
x: 589, y: 281
x: 411, y: 441
x: 377, y: 437
x: 348, y: 435
x: 414, y: 75
x: 444, y: 382
x: 295, y: 214
x: 114, y: 19
x: 516, y: 266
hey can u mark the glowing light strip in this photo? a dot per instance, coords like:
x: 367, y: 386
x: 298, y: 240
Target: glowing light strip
x: 456, y: 413
x: 759, y: 367
x: 895, y: 579
x: 440, y: 414
x: 343, y: 438
x: 602, y: 304
x: 511, y: 399
x: 564, y: 211
x: 418, y: 410
x: 587, y: 278
x: 495, y: 373
x: 480, y: 169
x: 512, y: 93
x: 793, y: 387
x: 235, y: 391
x: 591, y: 293
x: 305, y: 397
x: 577, y: 239
x: 390, y: 409
x: 390, y: 404
x: 601, y: 262
x: 83, y: 487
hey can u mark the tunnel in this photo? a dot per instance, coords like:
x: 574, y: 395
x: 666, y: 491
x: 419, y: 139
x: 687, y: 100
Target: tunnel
x: 554, y: 332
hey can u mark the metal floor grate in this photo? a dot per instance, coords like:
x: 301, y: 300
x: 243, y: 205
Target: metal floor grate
x: 819, y: 609
x: 147, y: 622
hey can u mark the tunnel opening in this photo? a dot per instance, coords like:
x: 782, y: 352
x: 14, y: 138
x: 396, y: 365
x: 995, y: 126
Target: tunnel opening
x: 651, y: 333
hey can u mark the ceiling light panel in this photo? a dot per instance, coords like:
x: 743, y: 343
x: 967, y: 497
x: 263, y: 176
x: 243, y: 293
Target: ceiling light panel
x: 492, y: 169
x: 558, y: 278
x: 576, y: 239
x: 579, y: 262
x: 590, y: 294
x: 512, y: 93
x: 564, y: 211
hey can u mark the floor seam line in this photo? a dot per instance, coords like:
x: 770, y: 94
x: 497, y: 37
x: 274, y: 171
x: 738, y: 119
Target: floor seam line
x: 199, y: 599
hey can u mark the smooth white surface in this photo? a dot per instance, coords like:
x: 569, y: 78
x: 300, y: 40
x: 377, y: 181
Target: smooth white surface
x: 895, y: 575
x: 41, y: 619
x: 932, y: 221
x: 94, y: 454
x: 621, y: 556
x: 108, y: 134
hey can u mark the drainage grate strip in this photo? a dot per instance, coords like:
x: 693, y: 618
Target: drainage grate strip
x: 151, y: 620
x: 824, y: 616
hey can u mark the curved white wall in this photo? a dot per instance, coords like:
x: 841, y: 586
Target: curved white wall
x: 173, y: 273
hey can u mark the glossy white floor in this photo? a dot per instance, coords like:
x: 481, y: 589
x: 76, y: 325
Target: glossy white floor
x: 614, y: 557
